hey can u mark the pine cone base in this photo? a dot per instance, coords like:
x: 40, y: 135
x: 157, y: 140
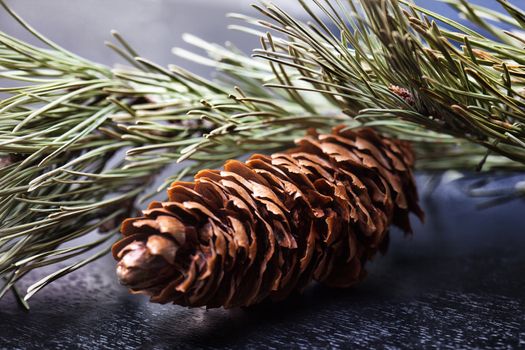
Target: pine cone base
x: 269, y: 226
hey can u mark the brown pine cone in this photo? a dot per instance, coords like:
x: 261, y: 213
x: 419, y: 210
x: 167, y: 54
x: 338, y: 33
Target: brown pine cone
x: 271, y: 225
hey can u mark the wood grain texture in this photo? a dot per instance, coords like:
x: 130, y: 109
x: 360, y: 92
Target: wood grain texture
x: 457, y: 283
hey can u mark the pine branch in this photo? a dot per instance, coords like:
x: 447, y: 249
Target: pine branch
x: 363, y: 50
x: 81, y: 141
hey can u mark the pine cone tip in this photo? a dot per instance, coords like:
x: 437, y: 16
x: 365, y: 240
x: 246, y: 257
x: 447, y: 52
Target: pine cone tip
x: 141, y: 264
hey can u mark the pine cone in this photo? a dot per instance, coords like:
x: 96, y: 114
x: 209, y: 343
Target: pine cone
x: 269, y: 226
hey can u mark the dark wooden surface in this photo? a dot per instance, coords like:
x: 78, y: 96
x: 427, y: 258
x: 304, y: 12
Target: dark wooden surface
x: 459, y: 282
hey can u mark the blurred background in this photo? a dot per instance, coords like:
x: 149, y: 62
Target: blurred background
x: 457, y: 283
